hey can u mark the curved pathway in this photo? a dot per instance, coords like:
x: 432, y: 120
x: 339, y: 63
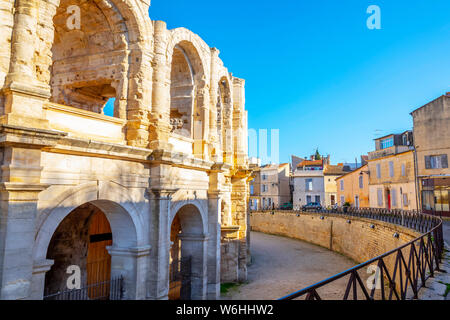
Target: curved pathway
x: 282, y: 265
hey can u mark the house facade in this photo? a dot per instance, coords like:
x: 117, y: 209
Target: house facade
x: 270, y: 186
x: 353, y: 187
x: 432, y: 145
x: 163, y: 180
x: 392, y: 179
x: 330, y: 174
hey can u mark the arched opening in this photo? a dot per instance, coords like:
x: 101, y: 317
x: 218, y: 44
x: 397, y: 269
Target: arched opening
x: 187, y: 83
x: 187, y: 255
x: 87, y: 61
x: 181, y: 93
x: 79, y: 250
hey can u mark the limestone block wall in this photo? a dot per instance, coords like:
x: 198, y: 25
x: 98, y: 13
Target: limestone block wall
x: 356, y: 240
x: 6, y: 25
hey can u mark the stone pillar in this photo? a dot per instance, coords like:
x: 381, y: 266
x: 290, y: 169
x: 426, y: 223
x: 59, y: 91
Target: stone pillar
x: 195, y: 246
x: 20, y: 185
x: 214, y: 86
x: 139, y: 99
x: 24, y: 95
x: 201, y: 123
x: 158, y: 280
x: 40, y: 268
x: 239, y: 198
x: 228, y: 126
x: 213, y: 262
x: 240, y: 126
x: 18, y: 206
x: 6, y: 26
x: 132, y: 264
x: 160, y: 127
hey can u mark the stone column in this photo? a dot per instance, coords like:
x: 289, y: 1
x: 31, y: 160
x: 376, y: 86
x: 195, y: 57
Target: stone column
x: 24, y: 95
x: 201, y: 123
x: 228, y: 126
x: 20, y: 185
x: 239, y: 198
x: 213, y: 262
x: 131, y: 263
x: 214, y: 86
x: 158, y: 280
x: 240, y: 127
x: 195, y: 246
x: 40, y: 268
x: 160, y: 127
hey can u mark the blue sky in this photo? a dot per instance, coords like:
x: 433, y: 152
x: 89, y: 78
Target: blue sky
x: 316, y: 72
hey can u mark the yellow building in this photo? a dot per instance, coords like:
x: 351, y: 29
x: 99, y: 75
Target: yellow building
x: 353, y: 188
x: 330, y: 174
x: 392, y: 181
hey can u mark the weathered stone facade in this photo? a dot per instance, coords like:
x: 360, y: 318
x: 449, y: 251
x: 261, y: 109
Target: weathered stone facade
x: 176, y: 146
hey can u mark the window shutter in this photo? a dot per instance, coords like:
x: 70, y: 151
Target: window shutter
x: 394, y: 197
x: 380, y: 197
x: 444, y: 161
x: 427, y: 162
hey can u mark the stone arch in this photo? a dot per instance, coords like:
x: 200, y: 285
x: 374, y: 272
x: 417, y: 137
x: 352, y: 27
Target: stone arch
x: 190, y: 243
x: 225, y: 116
x: 130, y: 241
x: 189, y: 61
x: 201, y: 220
x: 126, y: 222
x: 128, y: 36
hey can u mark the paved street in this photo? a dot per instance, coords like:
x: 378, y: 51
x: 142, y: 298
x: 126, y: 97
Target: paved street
x: 281, y: 266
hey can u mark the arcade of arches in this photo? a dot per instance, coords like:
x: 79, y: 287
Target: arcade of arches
x: 157, y: 193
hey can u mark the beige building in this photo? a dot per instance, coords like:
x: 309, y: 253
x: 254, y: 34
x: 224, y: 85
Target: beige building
x: 432, y: 144
x: 391, y: 175
x: 270, y: 186
x: 330, y: 174
x: 353, y: 187
x: 160, y: 186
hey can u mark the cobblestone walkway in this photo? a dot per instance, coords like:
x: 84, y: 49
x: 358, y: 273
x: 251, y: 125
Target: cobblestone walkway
x: 438, y: 286
x: 281, y: 266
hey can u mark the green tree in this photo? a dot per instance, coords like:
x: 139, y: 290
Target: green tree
x: 317, y: 156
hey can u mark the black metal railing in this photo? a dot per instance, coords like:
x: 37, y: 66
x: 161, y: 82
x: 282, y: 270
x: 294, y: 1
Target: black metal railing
x: 400, y: 273
x: 411, y: 219
x: 105, y: 290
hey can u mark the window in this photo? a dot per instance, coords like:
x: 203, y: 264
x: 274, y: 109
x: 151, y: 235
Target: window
x: 332, y: 200
x: 342, y: 185
x: 380, y: 197
x: 394, y: 197
x: 361, y: 182
x: 309, y: 184
x: 436, y: 162
x: 252, y: 189
x: 387, y: 143
x: 308, y: 199
x: 405, y: 200
x: 342, y: 200
x: 403, y: 170
x: 357, y: 202
x: 264, y: 202
x: 264, y: 176
x: 391, y: 169
x: 378, y: 171
x: 317, y: 199
x: 264, y: 188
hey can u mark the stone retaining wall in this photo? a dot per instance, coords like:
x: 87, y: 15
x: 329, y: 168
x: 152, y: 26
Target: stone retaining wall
x: 357, y: 238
